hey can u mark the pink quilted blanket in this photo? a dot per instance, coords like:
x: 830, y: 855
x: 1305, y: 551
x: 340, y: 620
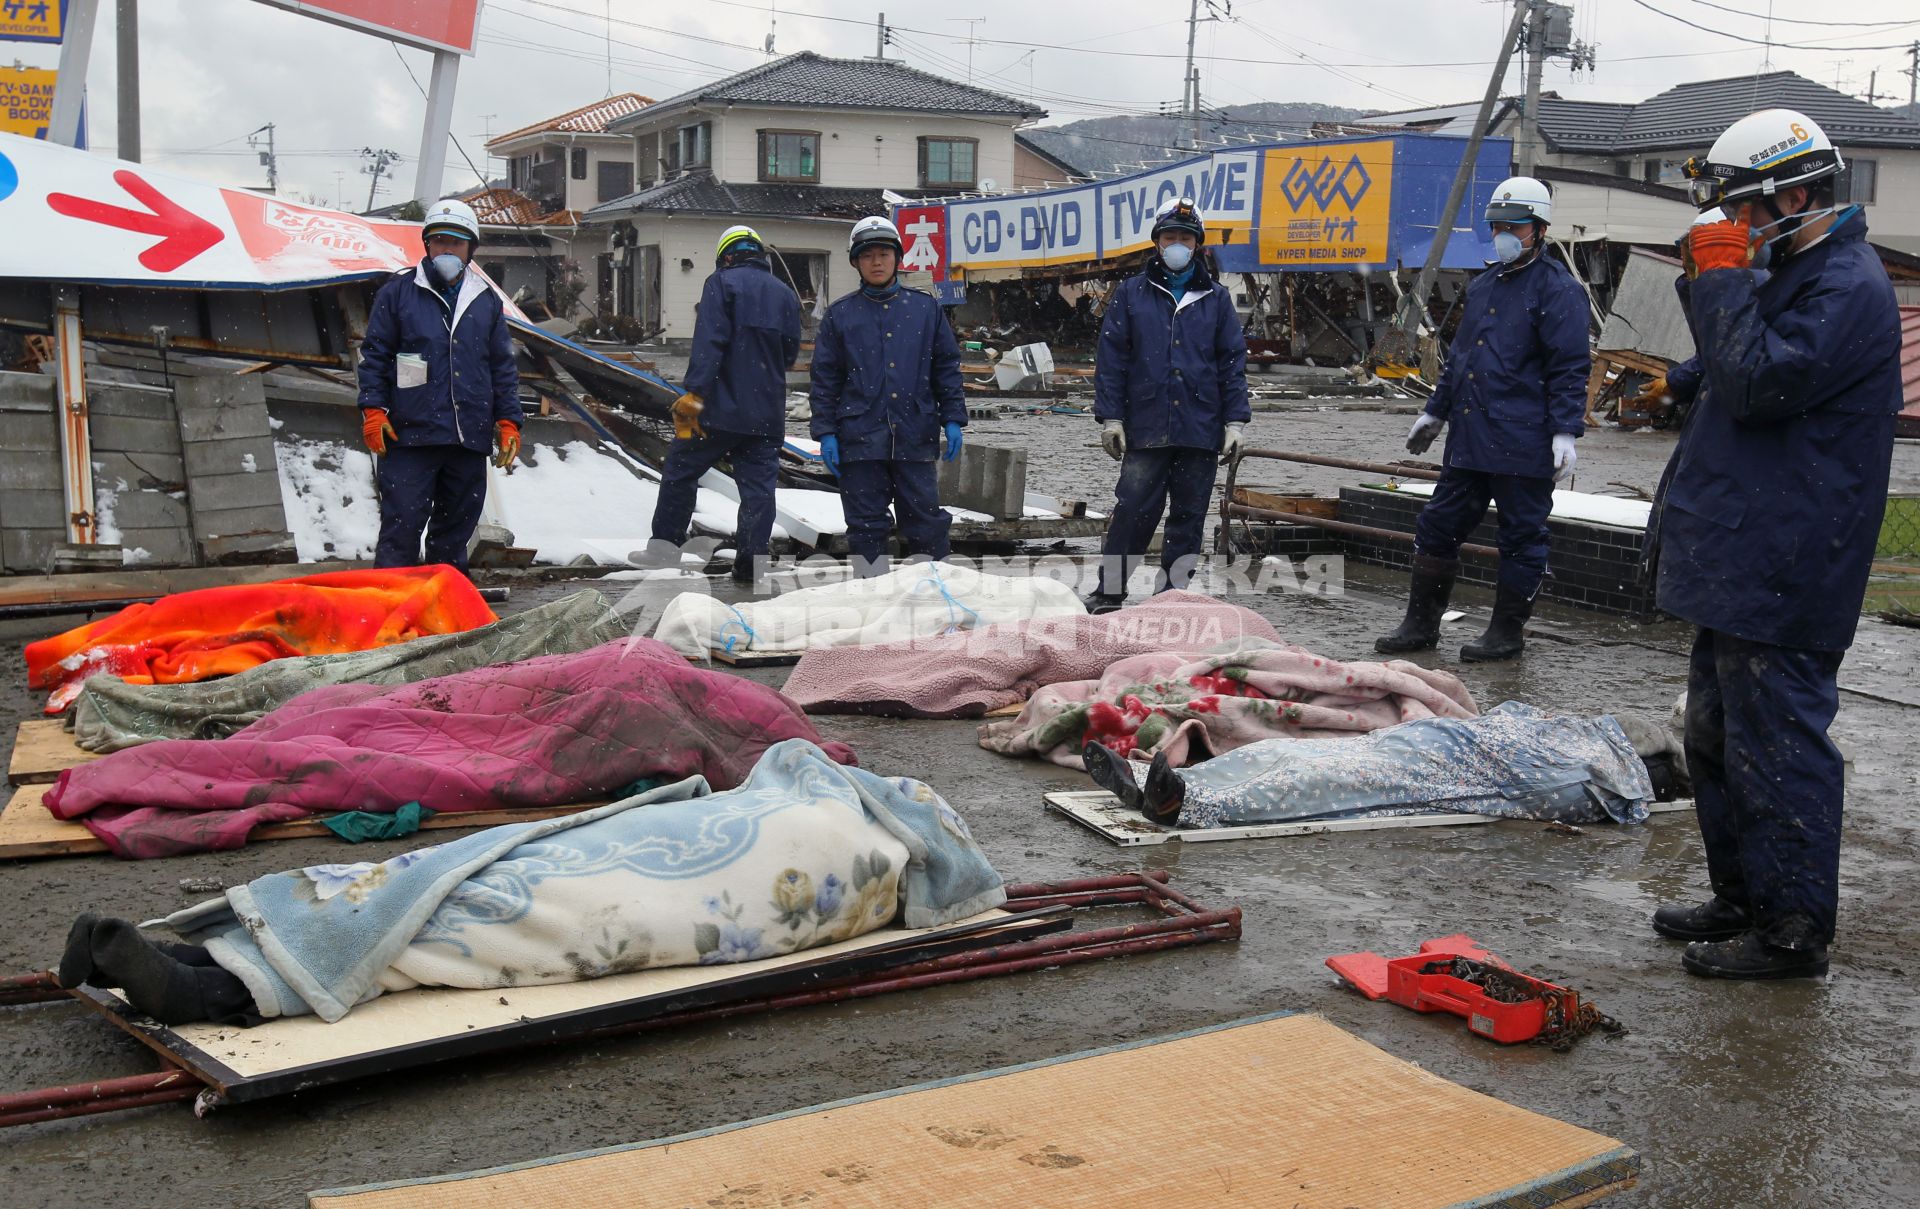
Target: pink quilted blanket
x: 541, y: 732
x: 966, y: 674
x: 1195, y: 708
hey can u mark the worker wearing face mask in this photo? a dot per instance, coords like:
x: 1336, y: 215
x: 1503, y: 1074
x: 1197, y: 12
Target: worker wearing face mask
x: 1513, y: 398
x: 1170, y: 392
x: 438, y: 391
x: 1767, y: 522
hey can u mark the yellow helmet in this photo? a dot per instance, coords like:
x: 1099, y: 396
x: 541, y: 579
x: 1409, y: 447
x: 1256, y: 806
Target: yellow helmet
x: 733, y: 235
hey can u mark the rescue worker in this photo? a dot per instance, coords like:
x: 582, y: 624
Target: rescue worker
x: 1766, y: 525
x: 886, y: 383
x: 1514, y: 398
x: 746, y: 336
x: 1170, y: 392
x: 438, y: 390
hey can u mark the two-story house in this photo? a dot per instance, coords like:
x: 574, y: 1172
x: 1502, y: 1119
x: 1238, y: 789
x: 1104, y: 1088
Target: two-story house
x: 1585, y: 144
x: 799, y: 148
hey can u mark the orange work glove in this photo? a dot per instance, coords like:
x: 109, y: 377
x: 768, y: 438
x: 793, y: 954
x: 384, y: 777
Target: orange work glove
x: 686, y: 417
x: 375, y: 430
x: 1720, y: 245
x: 1652, y: 393
x: 507, y: 435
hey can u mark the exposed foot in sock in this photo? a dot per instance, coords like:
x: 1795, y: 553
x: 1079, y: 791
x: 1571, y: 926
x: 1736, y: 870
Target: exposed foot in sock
x: 76, y: 961
x: 1112, y: 772
x: 152, y: 981
x: 1165, y: 792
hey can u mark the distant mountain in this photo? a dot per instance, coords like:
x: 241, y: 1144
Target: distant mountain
x: 1909, y: 112
x: 1106, y: 144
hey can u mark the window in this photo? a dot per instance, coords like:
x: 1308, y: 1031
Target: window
x: 690, y: 147
x: 616, y: 180
x: 579, y: 172
x: 1856, y: 183
x: 789, y: 155
x: 947, y: 163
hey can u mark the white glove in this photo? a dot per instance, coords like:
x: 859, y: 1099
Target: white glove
x: 1113, y: 439
x: 1421, y: 435
x: 1230, y: 444
x: 1563, y: 455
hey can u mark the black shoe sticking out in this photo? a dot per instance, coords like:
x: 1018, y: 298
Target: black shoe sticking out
x: 1747, y: 956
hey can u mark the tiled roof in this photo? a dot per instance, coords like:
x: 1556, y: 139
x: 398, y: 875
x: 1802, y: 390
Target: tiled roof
x: 1910, y: 359
x: 700, y: 193
x: 588, y: 119
x: 1693, y: 115
x: 506, y: 207
x: 811, y: 80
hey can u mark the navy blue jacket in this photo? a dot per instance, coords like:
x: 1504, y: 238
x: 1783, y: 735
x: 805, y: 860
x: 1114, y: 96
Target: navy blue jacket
x: 886, y: 377
x: 470, y: 379
x: 1516, y: 373
x: 1774, y: 498
x: 745, y: 338
x: 1174, y: 374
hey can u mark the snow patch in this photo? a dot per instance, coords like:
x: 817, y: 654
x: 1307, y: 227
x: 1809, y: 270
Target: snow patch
x: 247, y: 463
x: 106, y: 527
x: 328, y: 493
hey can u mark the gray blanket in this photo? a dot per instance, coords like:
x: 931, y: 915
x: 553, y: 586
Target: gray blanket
x: 111, y: 714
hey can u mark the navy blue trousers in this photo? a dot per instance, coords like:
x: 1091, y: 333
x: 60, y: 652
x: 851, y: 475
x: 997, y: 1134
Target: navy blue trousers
x: 1171, y: 479
x: 1767, y: 781
x: 437, y: 488
x: 756, y: 468
x: 913, y: 489
x: 1460, y: 502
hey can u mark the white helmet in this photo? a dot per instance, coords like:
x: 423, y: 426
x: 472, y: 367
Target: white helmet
x: 1520, y: 199
x: 1759, y: 155
x: 733, y: 235
x: 870, y: 231
x: 452, y: 214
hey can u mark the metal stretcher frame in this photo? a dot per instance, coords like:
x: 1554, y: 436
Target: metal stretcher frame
x: 1038, y: 933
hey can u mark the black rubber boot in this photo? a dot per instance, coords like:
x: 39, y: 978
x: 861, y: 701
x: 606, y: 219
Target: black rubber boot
x: 1165, y: 793
x: 1099, y: 604
x: 1112, y: 772
x: 76, y: 961
x: 1715, y: 919
x: 1506, y: 633
x: 1789, y: 949
x: 1426, y: 600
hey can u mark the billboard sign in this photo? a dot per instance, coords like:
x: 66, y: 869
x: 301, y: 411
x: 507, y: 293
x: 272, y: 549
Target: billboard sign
x: 26, y: 100
x: 32, y: 20
x: 1328, y: 206
x: 429, y: 24
x: 1060, y: 226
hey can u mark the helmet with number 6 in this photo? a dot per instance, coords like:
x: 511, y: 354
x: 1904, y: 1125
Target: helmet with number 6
x: 1759, y: 155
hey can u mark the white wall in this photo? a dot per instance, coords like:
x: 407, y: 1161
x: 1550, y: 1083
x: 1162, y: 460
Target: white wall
x: 857, y: 150
x: 585, y: 194
x: 1894, y: 217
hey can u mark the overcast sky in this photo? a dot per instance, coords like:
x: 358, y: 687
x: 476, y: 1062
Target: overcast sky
x: 213, y: 70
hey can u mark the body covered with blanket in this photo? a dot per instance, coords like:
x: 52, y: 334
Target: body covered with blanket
x: 211, y: 632
x: 542, y: 732
x: 805, y: 853
x: 1192, y: 708
x: 964, y: 675
x: 917, y: 600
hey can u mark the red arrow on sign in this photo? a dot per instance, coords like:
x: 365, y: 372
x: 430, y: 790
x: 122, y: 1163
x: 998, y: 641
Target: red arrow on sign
x: 186, y: 233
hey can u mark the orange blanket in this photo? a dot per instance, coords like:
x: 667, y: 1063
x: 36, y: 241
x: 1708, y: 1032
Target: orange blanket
x: 220, y: 631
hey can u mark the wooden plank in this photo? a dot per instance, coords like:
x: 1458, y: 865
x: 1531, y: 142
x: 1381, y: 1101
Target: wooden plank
x: 43, y: 748
x: 150, y: 585
x: 1305, y: 505
x: 29, y: 831
x: 756, y: 658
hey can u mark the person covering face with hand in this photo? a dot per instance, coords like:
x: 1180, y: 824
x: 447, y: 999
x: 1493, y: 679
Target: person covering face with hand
x: 1513, y: 397
x: 1170, y: 392
x: 1765, y: 527
x: 439, y: 391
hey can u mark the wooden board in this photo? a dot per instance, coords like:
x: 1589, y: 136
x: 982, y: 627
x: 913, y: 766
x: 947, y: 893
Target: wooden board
x: 1278, y: 1110
x: 414, y: 1028
x: 756, y: 658
x: 80, y: 590
x: 43, y: 748
x: 1099, y: 811
x: 29, y: 831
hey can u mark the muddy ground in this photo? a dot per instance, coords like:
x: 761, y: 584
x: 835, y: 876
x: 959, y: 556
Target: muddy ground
x: 1736, y: 1094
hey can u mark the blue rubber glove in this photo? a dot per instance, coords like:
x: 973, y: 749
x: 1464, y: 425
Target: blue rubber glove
x: 954, y: 441
x: 830, y: 452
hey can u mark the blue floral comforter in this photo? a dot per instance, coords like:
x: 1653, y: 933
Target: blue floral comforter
x: 806, y: 853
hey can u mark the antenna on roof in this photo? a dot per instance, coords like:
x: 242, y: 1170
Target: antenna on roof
x: 773, y: 25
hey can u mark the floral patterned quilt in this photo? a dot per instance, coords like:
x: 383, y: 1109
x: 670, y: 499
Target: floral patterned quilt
x: 805, y: 853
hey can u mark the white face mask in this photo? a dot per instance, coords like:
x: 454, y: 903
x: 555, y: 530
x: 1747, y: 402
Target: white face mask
x: 1766, y: 253
x: 1176, y: 256
x: 1507, y: 246
x: 448, y: 266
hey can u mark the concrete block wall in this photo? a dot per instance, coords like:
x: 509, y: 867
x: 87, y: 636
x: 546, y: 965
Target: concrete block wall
x: 32, y: 504
x: 138, y: 472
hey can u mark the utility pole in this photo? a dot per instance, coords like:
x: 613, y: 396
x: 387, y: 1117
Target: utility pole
x: 127, y: 61
x: 972, y: 38
x: 267, y: 157
x: 880, y: 37
x: 381, y: 161
x: 1190, y: 95
x: 1913, y: 73
x: 1536, y: 65
x: 1400, y: 342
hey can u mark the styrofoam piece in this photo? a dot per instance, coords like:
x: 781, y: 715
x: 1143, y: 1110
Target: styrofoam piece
x: 1572, y: 506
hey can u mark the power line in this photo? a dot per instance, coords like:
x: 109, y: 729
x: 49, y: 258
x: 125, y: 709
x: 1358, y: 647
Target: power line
x: 1739, y: 12
x: 1764, y: 41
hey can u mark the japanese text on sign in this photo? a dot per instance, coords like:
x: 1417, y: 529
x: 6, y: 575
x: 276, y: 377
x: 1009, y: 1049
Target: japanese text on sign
x: 1327, y: 205
x: 26, y: 101
x: 32, y: 20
